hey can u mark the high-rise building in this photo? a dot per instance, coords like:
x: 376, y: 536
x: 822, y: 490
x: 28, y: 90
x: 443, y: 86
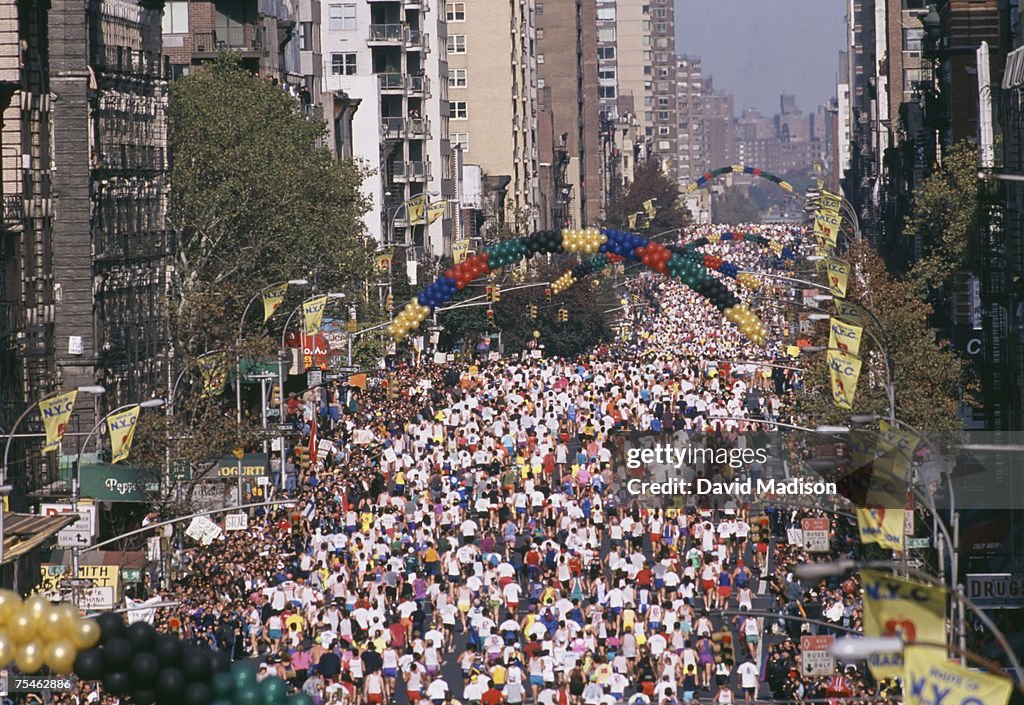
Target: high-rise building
x: 83, y: 276
x: 690, y: 117
x: 719, y: 128
x: 492, y: 64
x: 567, y: 90
x: 386, y: 82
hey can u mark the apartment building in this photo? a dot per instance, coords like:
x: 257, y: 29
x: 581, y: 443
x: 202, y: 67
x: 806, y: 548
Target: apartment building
x: 493, y: 62
x: 385, y: 67
x: 567, y: 96
x: 719, y: 128
x: 690, y: 120
x: 84, y: 244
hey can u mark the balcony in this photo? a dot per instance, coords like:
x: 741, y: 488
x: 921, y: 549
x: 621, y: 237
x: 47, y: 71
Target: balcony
x: 210, y: 43
x: 413, y: 4
x: 396, y: 128
x: 13, y: 210
x: 411, y: 171
x: 392, y: 82
x: 419, y: 86
x: 417, y: 40
x: 385, y: 34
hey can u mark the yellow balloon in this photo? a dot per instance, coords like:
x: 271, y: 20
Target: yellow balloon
x: 60, y: 656
x: 53, y: 625
x: 29, y: 657
x: 10, y: 603
x: 22, y: 627
x: 70, y: 617
x: 7, y: 648
x: 37, y: 607
x: 86, y: 634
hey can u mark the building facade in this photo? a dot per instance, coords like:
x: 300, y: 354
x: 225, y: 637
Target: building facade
x: 690, y: 117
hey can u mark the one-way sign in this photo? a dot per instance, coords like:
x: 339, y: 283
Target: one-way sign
x: 72, y: 538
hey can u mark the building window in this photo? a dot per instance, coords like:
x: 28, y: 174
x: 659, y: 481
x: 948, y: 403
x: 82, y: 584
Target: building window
x: 541, y: 83
x: 342, y: 17
x: 606, y: 53
x: 456, y: 43
x: 607, y: 74
x: 606, y: 14
x: 538, y: 9
x: 456, y: 78
x: 458, y: 110
x: 540, y: 58
x: 912, y: 39
x: 606, y: 34
x: 305, y: 36
x: 606, y: 91
x: 176, y: 17
x: 663, y: 102
x: 343, y: 64
x: 665, y: 131
x: 459, y: 139
x: 455, y: 11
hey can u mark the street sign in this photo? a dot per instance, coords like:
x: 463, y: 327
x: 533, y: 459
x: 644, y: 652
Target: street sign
x: 923, y: 542
x: 96, y: 598
x: 314, y: 378
x: 815, y: 534
x: 814, y: 657
x: 995, y: 590
x: 236, y: 522
x: 181, y: 470
x: 76, y: 583
x: 347, y: 370
x: 72, y: 538
x: 88, y: 518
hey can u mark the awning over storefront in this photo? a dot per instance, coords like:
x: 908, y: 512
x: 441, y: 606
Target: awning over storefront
x: 24, y: 532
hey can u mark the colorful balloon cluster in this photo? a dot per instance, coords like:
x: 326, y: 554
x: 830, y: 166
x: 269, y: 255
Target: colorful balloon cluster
x: 739, y: 169
x: 748, y: 323
x: 609, y: 244
x: 588, y: 241
x: 409, y: 319
x: 36, y: 633
x: 748, y: 281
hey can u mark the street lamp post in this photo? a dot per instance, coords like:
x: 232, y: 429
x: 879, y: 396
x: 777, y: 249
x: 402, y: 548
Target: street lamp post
x: 5, y: 489
x: 76, y: 476
x: 280, y: 374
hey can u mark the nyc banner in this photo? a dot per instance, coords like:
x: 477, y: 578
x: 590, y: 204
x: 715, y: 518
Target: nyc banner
x: 417, y: 207
x: 844, y: 337
x: 313, y: 314
x: 830, y: 202
x: 435, y: 211
x: 55, y: 412
x: 827, y: 226
x: 382, y: 261
x: 902, y: 608
x: 843, y: 371
x: 849, y: 311
x: 273, y: 296
x: 838, y: 276
x: 122, y: 431
x: 632, y: 221
x: 929, y: 678
x: 649, y: 208
x: 214, y: 369
x: 460, y: 249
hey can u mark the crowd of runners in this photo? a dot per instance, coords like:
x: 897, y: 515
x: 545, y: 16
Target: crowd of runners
x: 469, y: 540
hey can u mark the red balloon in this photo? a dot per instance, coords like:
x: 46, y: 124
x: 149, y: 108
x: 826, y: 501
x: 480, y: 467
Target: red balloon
x: 450, y: 273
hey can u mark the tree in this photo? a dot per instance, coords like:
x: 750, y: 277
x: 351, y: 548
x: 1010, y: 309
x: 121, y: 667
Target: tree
x: 733, y: 207
x: 945, y: 217
x: 254, y: 199
x: 649, y: 182
x: 927, y: 375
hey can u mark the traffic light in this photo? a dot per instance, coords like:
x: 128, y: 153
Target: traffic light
x: 275, y: 397
x: 389, y: 303
x: 563, y: 315
x: 496, y: 294
x: 302, y: 457
x: 490, y: 317
x: 489, y: 294
x: 547, y: 295
x: 531, y: 311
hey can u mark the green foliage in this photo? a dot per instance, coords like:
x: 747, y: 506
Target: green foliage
x: 649, y: 182
x: 254, y: 199
x: 945, y: 216
x: 733, y: 207
x: 927, y: 374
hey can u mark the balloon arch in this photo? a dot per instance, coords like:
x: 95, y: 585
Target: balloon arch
x: 686, y: 264
x: 133, y: 660
x: 709, y: 176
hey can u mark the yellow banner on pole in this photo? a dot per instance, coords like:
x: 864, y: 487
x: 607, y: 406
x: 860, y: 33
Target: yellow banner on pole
x: 382, y: 261
x: 838, y: 276
x: 460, y: 250
x: 213, y: 367
x: 827, y: 226
x: 56, y: 411
x: 632, y: 221
x: 844, y: 337
x: 830, y: 202
x: 273, y: 297
x: 649, y: 208
x: 122, y: 430
x: 849, y: 311
x: 929, y: 678
x: 908, y: 609
x: 313, y: 314
x: 416, y: 207
x: 435, y: 211
x: 843, y: 371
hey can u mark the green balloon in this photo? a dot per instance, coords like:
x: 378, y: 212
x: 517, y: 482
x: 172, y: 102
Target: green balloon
x: 300, y: 699
x: 243, y: 674
x: 222, y: 684
x: 222, y: 701
x: 274, y: 690
x: 249, y: 694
